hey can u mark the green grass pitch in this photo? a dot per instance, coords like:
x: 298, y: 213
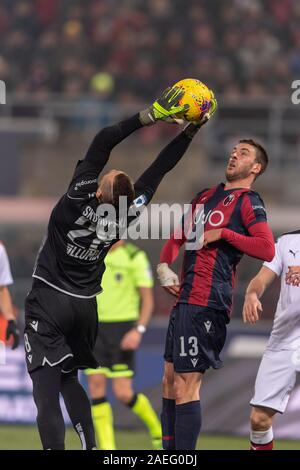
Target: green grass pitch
x: 26, y: 437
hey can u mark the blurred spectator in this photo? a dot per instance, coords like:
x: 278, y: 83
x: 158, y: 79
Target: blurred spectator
x: 137, y: 47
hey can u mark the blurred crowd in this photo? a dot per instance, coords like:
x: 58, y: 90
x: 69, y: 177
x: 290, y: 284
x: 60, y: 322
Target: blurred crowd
x: 129, y: 49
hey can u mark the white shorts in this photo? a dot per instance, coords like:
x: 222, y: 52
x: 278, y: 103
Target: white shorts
x: 275, y: 380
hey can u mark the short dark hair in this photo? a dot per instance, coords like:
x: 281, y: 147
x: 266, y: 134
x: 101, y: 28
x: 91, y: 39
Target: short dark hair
x: 261, y: 154
x: 123, y: 186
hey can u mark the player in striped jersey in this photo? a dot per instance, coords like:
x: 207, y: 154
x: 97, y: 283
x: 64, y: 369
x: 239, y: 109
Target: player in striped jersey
x: 233, y: 219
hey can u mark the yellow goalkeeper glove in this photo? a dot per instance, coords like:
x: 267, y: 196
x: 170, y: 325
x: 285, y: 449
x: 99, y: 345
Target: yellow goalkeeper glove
x: 164, y: 108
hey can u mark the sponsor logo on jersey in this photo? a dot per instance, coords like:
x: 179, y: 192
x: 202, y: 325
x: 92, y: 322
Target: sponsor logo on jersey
x: 29, y: 357
x: 194, y: 362
x: 214, y: 218
x: 90, y: 214
x: 255, y: 208
x: 84, y: 183
x: 83, y: 254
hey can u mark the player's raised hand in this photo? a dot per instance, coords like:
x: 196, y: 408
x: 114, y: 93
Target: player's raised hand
x: 251, y: 308
x: 168, y: 279
x: 165, y: 108
x: 292, y: 277
x: 206, y: 116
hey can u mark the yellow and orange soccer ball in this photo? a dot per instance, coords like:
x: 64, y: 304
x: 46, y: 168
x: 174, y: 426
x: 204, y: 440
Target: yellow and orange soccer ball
x: 197, y: 95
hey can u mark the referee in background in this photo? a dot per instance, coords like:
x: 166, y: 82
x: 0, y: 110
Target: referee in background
x: 124, y: 310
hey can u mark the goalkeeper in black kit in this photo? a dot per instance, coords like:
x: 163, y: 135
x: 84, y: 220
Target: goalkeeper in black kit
x: 61, y: 311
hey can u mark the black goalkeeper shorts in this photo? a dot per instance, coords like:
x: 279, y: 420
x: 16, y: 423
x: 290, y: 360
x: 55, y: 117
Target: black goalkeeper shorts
x: 195, y: 338
x: 59, y: 329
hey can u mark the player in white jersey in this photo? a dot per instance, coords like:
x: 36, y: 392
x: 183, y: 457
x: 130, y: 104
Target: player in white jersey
x: 281, y: 360
x: 6, y: 306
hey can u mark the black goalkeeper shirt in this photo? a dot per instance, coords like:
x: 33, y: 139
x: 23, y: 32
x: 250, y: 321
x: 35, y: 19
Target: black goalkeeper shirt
x: 71, y: 258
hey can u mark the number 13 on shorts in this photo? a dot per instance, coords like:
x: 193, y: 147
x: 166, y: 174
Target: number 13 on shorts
x: 189, y: 346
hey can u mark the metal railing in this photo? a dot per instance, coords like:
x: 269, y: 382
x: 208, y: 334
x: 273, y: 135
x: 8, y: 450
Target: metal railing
x: 273, y: 120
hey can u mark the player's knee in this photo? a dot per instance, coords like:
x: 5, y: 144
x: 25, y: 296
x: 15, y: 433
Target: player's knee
x: 123, y: 392
x: 181, y: 390
x: 168, y: 381
x: 124, y: 396
x: 45, y: 403
x: 97, y: 386
x: 186, y: 388
x: 260, y: 421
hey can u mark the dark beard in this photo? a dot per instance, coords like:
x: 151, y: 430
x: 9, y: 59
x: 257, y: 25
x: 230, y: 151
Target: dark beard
x: 238, y: 176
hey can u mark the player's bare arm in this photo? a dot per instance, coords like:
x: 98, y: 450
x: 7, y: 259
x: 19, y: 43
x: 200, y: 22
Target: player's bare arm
x: 255, y: 290
x: 132, y: 339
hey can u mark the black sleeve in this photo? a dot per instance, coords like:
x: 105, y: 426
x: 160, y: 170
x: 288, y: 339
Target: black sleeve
x: 103, y: 143
x: 86, y: 174
x: 148, y: 182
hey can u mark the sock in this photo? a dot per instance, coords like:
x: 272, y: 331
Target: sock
x: 261, y: 440
x: 79, y: 409
x: 141, y: 406
x: 103, y: 423
x: 46, y: 386
x: 187, y: 425
x: 168, y: 424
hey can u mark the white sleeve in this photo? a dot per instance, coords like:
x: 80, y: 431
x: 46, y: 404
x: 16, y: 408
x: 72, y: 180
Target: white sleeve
x: 5, y: 273
x: 276, y: 265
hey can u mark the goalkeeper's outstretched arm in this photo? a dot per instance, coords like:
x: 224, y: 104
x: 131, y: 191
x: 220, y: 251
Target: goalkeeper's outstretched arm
x: 172, y: 153
x: 167, y: 159
x: 162, y: 109
x: 106, y: 139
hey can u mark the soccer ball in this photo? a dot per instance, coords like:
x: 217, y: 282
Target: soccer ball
x: 197, y: 95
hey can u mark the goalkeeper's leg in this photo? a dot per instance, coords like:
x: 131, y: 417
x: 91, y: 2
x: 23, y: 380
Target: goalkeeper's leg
x: 78, y: 407
x: 46, y: 386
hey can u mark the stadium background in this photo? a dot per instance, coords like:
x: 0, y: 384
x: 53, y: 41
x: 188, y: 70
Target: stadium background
x: 71, y: 67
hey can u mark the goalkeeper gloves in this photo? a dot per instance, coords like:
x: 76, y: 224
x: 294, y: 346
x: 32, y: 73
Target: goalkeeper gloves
x: 164, y: 108
x: 12, y: 330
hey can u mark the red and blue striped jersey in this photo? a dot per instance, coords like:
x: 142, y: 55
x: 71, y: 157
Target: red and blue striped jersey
x: 208, y: 274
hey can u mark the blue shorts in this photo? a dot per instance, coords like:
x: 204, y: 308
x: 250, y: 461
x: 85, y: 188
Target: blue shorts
x: 195, y: 337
